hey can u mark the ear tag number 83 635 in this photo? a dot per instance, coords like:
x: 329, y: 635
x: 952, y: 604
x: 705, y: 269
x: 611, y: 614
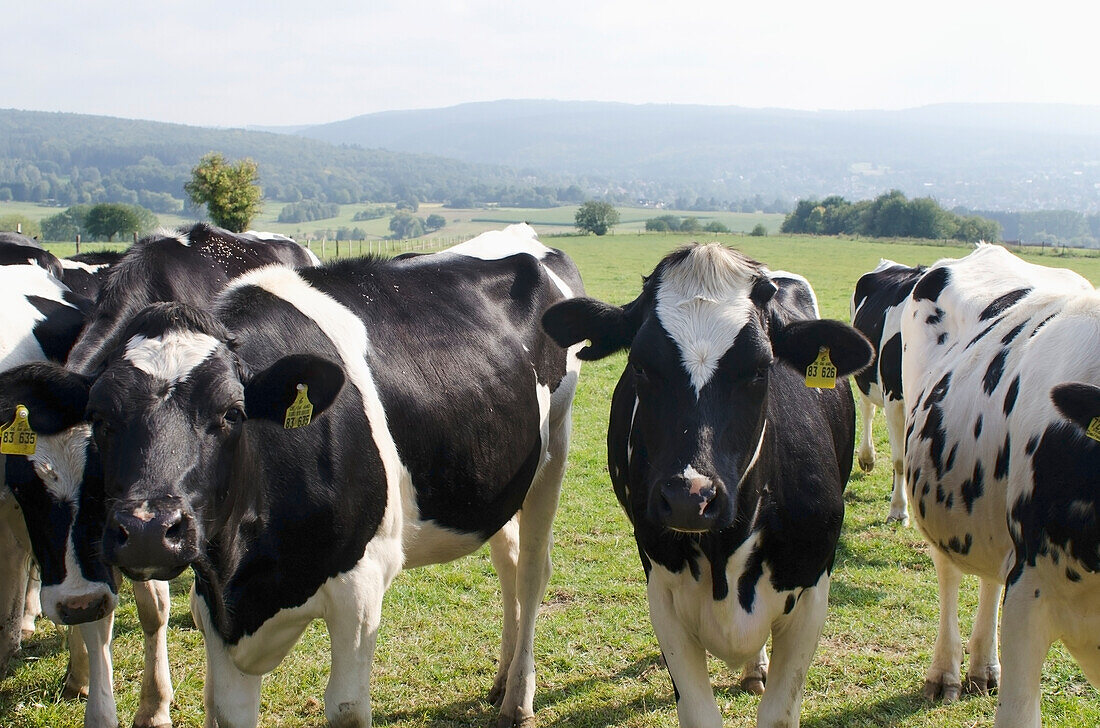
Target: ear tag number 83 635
x: 821, y: 373
x: 18, y: 438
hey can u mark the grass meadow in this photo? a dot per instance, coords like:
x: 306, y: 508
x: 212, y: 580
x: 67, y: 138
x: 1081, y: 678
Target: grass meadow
x: 596, y: 656
x: 460, y: 222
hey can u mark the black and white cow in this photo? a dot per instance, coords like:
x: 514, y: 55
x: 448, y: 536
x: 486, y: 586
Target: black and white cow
x: 42, y: 499
x: 1002, y: 485
x: 440, y: 410
x: 192, y: 264
x: 730, y: 469
x: 876, y: 312
x: 41, y: 318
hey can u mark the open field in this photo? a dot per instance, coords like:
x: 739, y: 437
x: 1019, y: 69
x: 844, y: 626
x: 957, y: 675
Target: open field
x: 459, y: 222
x: 597, y: 658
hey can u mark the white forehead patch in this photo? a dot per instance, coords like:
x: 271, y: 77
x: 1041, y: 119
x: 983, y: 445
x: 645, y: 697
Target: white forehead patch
x: 170, y: 357
x: 703, y: 302
x: 59, y: 461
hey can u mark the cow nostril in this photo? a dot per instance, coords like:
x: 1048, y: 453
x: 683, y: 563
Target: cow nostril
x: 175, y: 531
x: 121, y: 535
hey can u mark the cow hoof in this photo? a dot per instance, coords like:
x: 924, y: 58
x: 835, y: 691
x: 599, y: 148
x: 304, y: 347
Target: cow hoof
x: 902, y: 520
x: 983, y: 681
x: 153, y: 725
x: 866, y: 465
x: 72, y: 690
x: 946, y: 692
x: 496, y: 695
x: 508, y: 721
x: 754, y: 685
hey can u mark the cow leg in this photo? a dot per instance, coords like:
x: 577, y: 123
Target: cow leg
x: 76, y: 673
x: 755, y: 674
x: 794, y: 642
x: 352, y: 622
x: 231, y: 699
x: 1025, y: 640
x: 536, y: 520
x: 867, y: 442
x: 686, y: 661
x: 32, y: 604
x: 504, y: 550
x: 156, y: 681
x: 943, y: 675
x: 985, y: 671
x: 100, y: 712
x: 895, y: 426
x: 15, y: 562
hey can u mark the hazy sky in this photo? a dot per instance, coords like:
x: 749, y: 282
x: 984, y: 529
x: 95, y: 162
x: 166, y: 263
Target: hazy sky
x: 229, y: 63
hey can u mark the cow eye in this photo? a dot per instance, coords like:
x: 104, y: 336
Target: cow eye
x: 761, y: 372
x: 639, y: 372
x: 101, y: 427
x: 234, y: 415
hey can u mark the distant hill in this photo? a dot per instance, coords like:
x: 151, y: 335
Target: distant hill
x: 990, y: 156
x: 73, y: 158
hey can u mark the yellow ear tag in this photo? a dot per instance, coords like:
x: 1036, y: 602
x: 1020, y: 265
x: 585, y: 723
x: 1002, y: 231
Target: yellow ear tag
x: 18, y: 438
x: 300, y: 411
x: 1094, y: 429
x: 821, y: 374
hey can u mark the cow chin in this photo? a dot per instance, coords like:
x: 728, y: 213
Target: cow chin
x: 153, y: 573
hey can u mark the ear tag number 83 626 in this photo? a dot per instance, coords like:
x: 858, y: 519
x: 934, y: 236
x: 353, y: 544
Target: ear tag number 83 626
x: 18, y: 438
x: 821, y: 373
x: 300, y: 411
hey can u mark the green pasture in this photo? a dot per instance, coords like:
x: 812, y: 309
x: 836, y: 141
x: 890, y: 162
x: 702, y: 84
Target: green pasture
x: 460, y: 222
x: 596, y: 656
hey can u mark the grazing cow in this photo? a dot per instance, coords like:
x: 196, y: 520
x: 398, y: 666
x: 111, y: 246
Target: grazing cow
x: 191, y: 264
x: 729, y: 467
x: 1002, y: 486
x: 452, y: 430
x: 876, y: 312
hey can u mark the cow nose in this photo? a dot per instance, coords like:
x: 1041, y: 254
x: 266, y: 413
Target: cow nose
x: 84, y: 608
x: 149, y: 538
x: 686, y: 503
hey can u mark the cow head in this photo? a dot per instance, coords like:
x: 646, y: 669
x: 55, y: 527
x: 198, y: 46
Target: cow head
x: 59, y: 490
x: 705, y: 341
x: 169, y: 415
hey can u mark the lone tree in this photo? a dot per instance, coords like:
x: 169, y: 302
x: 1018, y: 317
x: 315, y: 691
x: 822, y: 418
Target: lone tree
x: 108, y: 219
x: 596, y: 217
x: 229, y: 191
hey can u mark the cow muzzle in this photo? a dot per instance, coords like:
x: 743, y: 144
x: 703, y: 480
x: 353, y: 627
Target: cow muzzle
x: 690, y: 502
x: 151, y: 539
x: 92, y: 602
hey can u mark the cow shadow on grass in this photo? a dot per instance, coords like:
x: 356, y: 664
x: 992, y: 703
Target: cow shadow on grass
x: 476, y: 711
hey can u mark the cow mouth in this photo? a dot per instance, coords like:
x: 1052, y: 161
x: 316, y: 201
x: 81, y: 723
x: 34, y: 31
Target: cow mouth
x: 153, y: 573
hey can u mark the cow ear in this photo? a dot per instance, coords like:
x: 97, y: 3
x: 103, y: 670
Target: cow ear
x: 55, y: 397
x: 608, y: 328
x: 270, y: 392
x: 1078, y: 402
x: 798, y: 343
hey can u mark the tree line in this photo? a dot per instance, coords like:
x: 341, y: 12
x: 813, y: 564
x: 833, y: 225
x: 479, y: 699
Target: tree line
x: 890, y: 215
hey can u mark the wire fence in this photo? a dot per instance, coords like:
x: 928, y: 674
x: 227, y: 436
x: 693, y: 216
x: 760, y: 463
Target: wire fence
x: 332, y: 249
